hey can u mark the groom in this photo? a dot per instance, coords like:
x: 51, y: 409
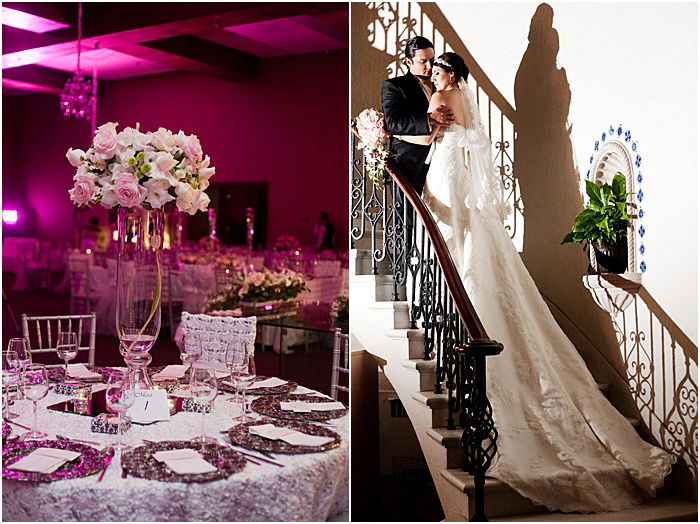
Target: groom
x: 405, y: 101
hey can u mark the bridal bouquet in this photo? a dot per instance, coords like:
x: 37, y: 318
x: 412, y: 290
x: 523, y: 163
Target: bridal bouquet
x: 130, y: 168
x: 258, y: 286
x: 374, y: 139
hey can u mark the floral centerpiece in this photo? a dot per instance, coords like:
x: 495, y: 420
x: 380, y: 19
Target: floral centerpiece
x: 374, y: 139
x: 229, y: 261
x: 192, y: 257
x: 285, y: 243
x: 340, y: 312
x: 130, y: 168
x: 259, y: 292
x: 139, y: 173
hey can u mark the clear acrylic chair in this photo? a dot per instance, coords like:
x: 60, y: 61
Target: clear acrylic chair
x: 341, y: 358
x: 42, y: 334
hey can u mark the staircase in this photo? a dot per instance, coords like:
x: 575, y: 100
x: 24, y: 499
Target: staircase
x: 382, y: 327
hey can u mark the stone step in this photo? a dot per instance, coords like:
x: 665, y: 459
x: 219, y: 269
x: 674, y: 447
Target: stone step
x: 499, y: 498
x: 426, y: 372
x: 437, y: 403
x: 363, y: 263
x: 660, y: 509
x: 414, y: 339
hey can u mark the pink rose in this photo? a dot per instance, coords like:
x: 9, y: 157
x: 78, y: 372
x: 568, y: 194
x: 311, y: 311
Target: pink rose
x: 192, y: 148
x: 83, y: 191
x: 129, y: 192
x: 105, y: 142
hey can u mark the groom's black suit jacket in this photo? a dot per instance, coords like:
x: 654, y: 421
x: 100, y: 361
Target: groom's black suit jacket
x: 405, y: 108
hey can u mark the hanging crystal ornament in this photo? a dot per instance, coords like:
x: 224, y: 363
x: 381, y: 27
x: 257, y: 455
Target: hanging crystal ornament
x: 77, y: 95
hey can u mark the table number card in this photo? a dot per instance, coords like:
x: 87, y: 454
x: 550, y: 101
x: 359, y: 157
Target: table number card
x: 150, y: 405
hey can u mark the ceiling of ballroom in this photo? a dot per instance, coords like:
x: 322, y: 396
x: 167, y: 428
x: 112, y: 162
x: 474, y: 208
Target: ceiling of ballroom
x: 128, y: 39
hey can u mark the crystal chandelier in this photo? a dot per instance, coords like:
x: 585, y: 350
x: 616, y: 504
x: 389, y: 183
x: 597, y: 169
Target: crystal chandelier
x: 77, y: 95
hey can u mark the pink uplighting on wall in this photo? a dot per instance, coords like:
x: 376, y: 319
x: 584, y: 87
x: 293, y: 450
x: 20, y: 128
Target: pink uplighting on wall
x: 10, y: 216
x: 29, y: 22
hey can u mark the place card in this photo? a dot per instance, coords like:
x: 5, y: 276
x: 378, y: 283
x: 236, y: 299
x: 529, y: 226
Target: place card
x: 149, y: 406
x: 83, y: 373
x: 184, y: 461
x: 170, y: 372
x: 271, y: 382
x: 44, y: 460
x: 290, y: 436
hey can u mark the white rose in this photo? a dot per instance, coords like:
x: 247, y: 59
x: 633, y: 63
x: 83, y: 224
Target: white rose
x: 109, y: 196
x: 75, y: 156
x: 158, y: 193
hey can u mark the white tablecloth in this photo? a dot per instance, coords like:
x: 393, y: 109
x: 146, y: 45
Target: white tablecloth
x: 311, y: 487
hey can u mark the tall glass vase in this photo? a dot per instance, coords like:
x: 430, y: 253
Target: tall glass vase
x: 140, y: 239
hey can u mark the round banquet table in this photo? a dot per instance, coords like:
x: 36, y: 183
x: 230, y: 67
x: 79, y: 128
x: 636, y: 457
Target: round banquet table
x: 310, y: 487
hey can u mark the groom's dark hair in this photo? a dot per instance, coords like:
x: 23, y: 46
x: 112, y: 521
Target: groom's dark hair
x: 416, y: 43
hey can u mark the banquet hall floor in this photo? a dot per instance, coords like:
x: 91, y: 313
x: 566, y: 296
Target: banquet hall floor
x: 296, y: 365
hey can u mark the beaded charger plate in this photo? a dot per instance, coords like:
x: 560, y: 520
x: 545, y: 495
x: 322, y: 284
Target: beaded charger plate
x: 241, y: 435
x: 270, y: 406
x: 139, y: 462
x: 90, y: 461
x: 282, y: 388
x: 6, y: 430
x: 59, y: 374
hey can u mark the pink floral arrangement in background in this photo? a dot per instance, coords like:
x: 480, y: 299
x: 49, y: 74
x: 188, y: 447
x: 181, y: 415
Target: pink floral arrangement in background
x: 374, y: 139
x: 130, y: 168
x: 285, y: 243
x: 192, y: 257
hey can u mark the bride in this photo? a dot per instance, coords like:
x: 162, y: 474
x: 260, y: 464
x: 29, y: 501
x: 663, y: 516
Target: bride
x: 560, y: 443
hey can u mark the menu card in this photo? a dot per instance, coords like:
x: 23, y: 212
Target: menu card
x: 45, y: 460
x: 291, y: 436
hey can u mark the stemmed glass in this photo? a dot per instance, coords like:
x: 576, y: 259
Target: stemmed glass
x: 242, y: 366
x: 34, y: 383
x: 24, y: 356
x: 67, y: 347
x: 121, y: 395
x: 9, y: 378
x: 191, y: 350
x: 204, y: 389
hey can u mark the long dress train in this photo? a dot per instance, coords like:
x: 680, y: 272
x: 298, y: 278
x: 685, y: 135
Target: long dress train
x: 561, y: 443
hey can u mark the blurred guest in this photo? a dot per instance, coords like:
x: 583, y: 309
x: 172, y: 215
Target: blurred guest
x: 324, y: 234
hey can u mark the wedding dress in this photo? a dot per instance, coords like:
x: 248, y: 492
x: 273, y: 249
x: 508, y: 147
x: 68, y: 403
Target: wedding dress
x: 560, y: 442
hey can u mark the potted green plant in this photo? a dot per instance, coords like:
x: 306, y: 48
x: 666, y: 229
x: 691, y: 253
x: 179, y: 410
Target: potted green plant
x: 603, y: 225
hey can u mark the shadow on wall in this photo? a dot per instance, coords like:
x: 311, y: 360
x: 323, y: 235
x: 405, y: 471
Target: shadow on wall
x: 662, y: 367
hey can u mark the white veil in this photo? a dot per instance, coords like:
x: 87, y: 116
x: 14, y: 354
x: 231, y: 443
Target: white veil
x: 486, y: 189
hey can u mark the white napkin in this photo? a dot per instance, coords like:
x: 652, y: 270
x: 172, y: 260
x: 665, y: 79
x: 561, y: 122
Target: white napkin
x: 171, y: 371
x: 301, y: 390
x: 81, y: 372
x: 184, y: 461
x: 45, y: 460
x: 291, y: 436
x: 220, y: 369
x: 271, y: 382
x: 299, y: 406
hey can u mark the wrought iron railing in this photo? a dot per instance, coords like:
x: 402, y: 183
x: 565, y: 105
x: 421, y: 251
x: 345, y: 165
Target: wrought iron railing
x: 419, y: 261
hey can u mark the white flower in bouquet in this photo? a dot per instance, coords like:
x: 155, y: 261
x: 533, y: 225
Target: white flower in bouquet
x: 131, y: 168
x: 374, y: 139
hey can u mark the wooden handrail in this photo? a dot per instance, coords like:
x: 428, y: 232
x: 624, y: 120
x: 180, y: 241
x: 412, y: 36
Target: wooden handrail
x: 464, y: 307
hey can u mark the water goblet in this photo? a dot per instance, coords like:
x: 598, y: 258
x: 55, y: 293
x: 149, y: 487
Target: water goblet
x: 34, y: 383
x: 24, y: 356
x: 121, y: 395
x: 67, y: 347
x: 203, y: 388
x: 242, y: 366
x: 10, y: 378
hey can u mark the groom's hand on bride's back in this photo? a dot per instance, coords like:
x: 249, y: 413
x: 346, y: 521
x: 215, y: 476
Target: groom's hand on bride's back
x: 441, y: 116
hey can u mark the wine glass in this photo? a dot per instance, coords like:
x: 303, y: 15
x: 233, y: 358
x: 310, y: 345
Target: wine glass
x: 191, y: 350
x: 34, y: 383
x: 10, y: 377
x: 24, y: 356
x: 242, y: 365
x: 67, y: 347
x: 203, y: 388
x: 120, y: 395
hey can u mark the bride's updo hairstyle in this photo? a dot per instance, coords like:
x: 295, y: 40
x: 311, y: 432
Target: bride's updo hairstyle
x: 452, y: 63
